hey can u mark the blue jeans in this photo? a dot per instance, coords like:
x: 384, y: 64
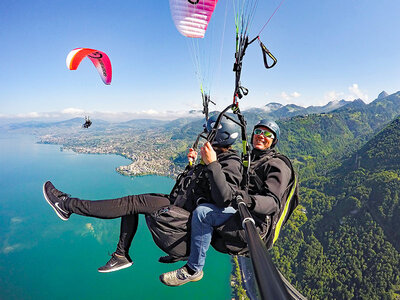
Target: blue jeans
x: 204, y: 218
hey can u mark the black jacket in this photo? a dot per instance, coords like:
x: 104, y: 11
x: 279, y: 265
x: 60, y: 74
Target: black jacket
x: 268, y: 181
x: 215, y: 183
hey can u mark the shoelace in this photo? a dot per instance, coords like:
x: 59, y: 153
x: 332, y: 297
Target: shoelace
x: 113, y: 259
x: 182, y: 274
x: 61, y: 195
x: 65, y: 196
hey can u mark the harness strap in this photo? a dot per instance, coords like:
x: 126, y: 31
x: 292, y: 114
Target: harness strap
x: 282, y: 218
x: 268, y: 53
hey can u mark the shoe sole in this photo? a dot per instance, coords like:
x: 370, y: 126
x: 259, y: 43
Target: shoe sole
x: 168, y: 260
x: 52, y: 206
x: 116, y: 269
x: 193, y: 280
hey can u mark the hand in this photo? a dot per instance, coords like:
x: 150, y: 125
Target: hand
x: 242, y: 196
x: 192, y: 155
x: 208, y: 154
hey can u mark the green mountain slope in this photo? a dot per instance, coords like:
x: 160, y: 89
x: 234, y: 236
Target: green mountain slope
x: 344, y: 242
x: 382, y: 151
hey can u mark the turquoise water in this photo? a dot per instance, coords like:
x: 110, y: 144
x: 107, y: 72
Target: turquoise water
x: 43, y: 257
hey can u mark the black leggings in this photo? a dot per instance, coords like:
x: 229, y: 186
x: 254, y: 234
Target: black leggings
x: 127, y: 208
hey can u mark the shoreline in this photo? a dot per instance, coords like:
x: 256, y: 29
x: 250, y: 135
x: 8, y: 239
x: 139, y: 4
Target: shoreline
x: 141, y: 164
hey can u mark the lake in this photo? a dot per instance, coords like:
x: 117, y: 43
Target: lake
x: 43, y: 257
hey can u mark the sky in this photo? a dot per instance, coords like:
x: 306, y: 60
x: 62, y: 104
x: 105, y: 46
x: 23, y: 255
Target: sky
x: 326, y: 49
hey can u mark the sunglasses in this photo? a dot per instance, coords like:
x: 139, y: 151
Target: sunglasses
x: 265, y: 133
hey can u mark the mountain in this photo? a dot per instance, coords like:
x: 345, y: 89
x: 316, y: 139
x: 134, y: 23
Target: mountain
x: 375, y: 172
x: 383, y: 94
x: 339, y: 132
x: 344, y: 242
x: 141, y: 123
x: 36, y: 124
x: 65, y: 123
x: 380, y: 158
x: 278, y: 111
x: 288, y: 111
x: 382, y: 152
x: 271, y: 107
x: 333, y: 105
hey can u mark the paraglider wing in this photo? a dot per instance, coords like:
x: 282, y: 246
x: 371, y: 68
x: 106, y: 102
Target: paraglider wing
x: 98, y: 58
x: 191, y: 17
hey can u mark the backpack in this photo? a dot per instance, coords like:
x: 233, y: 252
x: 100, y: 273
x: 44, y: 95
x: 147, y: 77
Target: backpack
x: 170, y: 229
x: 170, y: 225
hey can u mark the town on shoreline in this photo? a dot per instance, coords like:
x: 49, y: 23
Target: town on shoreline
x: 151, y: 154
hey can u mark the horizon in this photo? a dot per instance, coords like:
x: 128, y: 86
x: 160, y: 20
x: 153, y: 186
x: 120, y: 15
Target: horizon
x: 324, y: 51
x: 117, y: 117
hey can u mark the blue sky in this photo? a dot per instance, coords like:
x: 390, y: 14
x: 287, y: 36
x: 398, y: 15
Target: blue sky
x: 326, y: 50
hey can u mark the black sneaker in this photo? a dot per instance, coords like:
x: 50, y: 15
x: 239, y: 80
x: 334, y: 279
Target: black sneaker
x: 116, y: 263
x: 56, y: 199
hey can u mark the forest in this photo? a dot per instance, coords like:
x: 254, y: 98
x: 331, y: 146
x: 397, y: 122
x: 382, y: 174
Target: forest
x: 342, y: 242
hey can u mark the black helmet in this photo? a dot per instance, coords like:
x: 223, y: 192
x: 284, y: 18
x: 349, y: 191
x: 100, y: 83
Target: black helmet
x: 272, y: 126
x: 227, y: 132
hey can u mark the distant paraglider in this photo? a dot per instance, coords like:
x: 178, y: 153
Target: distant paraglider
x: 87, y: 122
x: 98, y: 58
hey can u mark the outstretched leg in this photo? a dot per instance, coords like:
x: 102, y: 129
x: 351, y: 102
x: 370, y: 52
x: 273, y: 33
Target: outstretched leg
x: 64, y: 205
x: 127, y: 207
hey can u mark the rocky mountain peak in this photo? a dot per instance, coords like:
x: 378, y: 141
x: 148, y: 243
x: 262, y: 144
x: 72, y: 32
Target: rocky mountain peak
x: 382, y: 95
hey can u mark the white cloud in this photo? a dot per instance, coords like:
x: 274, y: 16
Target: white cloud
x: 73, y: 111
x: 193, y: 105
x: 145, y: 114
x: 104, y: 115
x: 32, y: 115
x: 333, y: 96
x: 355, y: 92
x: 286, y: 97
x: 150, y: 112
x: 295, y: 95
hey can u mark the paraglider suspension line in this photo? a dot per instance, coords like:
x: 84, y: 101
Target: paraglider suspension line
x: 271, y: 16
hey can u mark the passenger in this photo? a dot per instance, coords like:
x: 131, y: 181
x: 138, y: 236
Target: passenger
x: 217, y: 180
x: 269, y: 177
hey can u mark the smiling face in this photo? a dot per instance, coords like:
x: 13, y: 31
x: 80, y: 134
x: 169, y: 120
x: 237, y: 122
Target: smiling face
x: 260, y: 141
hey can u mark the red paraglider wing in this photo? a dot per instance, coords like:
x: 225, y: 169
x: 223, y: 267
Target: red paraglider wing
x: 98, y: 58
